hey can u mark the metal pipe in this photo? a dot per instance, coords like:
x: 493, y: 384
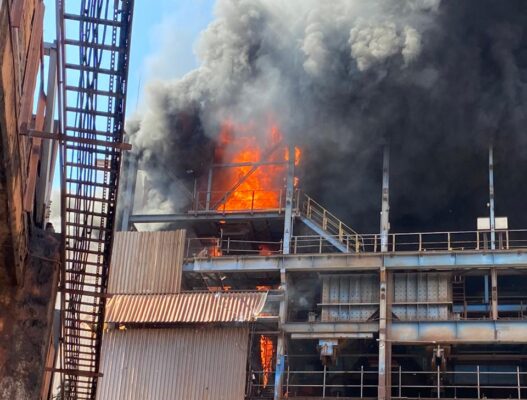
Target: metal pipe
x: 385, y: 206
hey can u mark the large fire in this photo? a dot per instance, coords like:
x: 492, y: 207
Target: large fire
x: 266, y: 358
x: 255, y: 188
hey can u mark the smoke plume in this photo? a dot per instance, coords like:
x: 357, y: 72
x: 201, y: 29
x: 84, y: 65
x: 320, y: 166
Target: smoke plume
x: 436, y: 79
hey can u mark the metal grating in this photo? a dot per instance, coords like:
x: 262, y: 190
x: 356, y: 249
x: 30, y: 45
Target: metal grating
x: 94, y: 43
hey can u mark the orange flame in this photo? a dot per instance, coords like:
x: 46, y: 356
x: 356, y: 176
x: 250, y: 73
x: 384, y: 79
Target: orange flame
x: 263, y: 186
x: 266, y: 357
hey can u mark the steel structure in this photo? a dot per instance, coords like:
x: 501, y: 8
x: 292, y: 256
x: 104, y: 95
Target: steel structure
x: 93, y: 59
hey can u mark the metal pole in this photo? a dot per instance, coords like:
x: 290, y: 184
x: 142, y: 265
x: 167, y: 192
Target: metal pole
x: 384, y: 374
x: 400, y: 382
x: 280, y: 345
x: 518, y: 382
x: 287, y: 382
x: 438, y: 382
x: 494, y: 293
x: 477, y: 371
x: 130, y: 161
x: 385, y: 207
x: 491, y: 199
x: 361, y: 381
x: 289, y: 192
x: 209, y: 189
x: 324, y: 383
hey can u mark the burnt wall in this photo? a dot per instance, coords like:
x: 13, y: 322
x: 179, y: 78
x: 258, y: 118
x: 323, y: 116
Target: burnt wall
x: 26, y: 315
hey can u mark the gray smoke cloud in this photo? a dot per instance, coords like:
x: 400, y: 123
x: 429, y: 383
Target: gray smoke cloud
x: 437, y: 79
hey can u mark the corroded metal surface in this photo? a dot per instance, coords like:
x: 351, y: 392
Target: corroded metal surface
x: 186, y: 307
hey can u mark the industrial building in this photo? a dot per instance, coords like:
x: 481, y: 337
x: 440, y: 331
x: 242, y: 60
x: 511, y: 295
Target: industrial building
x: 326, y: 312
x: 260, y: 283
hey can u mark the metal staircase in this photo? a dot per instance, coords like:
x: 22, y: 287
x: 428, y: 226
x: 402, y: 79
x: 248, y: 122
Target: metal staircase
x: 94, y: 44
x: 328, y: 226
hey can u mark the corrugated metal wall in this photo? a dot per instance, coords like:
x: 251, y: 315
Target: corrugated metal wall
x: 194, y: 307
x: 174, y: 364
x: 147, y: 262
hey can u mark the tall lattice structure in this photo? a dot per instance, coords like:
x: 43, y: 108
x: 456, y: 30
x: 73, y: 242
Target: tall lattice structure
x: 94, y: 45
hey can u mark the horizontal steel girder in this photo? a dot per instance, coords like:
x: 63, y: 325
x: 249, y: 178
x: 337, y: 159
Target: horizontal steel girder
x: 422, y: 332
x: 459, y: 332
x: 202, y: 216
x: 361, y: 261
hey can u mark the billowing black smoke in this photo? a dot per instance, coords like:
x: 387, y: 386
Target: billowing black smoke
x: 437, y: 79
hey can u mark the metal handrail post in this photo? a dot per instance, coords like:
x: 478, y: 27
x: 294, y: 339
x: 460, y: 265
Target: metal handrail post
x: 518, y: 382
x: 400, y: 382
x: 438, y: 382
x: 324, y: 383
x: 477, y: 372
x: 361, y: 381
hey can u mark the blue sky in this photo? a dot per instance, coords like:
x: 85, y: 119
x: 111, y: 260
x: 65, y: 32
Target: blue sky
x: 163, y: 37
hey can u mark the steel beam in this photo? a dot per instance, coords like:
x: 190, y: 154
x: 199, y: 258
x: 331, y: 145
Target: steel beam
x: 385, y: 205
x: 281, y: 340
x: 334, y: 328
x: 491, y: 199
x: 430, y: 332
x: 289, y: 192
x: 203, y: 216
x: 130, y: 180
x: 385, y: 345
x: 359, y: 262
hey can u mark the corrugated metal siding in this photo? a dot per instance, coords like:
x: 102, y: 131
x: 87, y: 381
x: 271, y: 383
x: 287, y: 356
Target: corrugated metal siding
x: 147, y: 262
x: 185, y: 307
x: 174, y: 364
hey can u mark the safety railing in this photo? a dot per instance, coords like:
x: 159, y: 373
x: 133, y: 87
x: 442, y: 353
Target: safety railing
x: 477, y: 383
x: 240, y: 201
x: 217, y: 247
x: 328, y: 221
x: 416, y: 242
x: 398, y: 242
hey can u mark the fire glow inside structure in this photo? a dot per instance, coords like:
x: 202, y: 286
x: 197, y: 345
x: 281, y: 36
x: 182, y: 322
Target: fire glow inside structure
x: 346, y: 315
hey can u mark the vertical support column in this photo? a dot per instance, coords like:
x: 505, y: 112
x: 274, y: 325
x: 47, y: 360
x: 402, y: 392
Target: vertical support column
x: 130, y: 174
x: 289, y: 192
x: 385, y: 206
x: 385, y: 345
x: 49, y: 147
x: 281, y: 342
x: 209, y: 190
x: 494, y: 293
x: 492, y: 218
x: 491, y: 199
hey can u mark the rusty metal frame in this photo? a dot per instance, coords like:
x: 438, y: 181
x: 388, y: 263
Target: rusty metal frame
x: 91, y: 143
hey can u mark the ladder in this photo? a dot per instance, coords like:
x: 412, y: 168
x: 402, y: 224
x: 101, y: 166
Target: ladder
x: 93, y: 56
x: 328, y: 226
